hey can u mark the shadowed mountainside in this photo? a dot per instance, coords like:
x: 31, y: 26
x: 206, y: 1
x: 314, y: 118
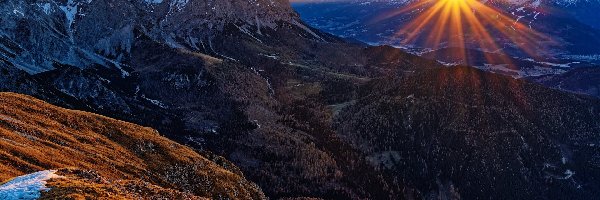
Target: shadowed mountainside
x: 463, y: 133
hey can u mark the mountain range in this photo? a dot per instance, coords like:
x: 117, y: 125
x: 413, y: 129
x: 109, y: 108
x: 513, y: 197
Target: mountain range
x: 267, y: 106
x: 569, y: 29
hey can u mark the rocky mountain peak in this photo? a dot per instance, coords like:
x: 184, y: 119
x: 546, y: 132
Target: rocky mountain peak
x: 36, y: 35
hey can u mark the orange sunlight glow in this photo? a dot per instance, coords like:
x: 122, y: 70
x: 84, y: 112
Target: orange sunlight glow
x: 451, y: 21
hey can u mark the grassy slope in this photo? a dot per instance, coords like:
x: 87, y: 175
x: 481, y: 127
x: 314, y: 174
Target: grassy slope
x: 36, y: 136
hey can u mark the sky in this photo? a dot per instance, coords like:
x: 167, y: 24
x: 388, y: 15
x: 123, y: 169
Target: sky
x: 306, y: 1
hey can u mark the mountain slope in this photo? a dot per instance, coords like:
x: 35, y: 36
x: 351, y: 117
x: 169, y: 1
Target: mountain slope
x: 569, y: 34
x: 36, y: 35
x: 463, y: 133
x: 83, y: 184
x: 79, y: 184
x: 581, y: 81
x: 38, y: 136
x: 234, y: 108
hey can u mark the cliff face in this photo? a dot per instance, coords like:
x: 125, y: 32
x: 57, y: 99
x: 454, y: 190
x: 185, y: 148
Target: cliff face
x: 36, y: 35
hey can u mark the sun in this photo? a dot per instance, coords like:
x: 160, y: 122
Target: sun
x: 455, y: 2
x: 456, y: 23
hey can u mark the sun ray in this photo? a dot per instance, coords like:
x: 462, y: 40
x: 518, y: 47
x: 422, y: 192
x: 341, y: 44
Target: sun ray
x: 465, y: 24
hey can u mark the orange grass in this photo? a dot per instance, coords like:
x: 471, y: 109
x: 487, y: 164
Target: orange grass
x: 37, y: 136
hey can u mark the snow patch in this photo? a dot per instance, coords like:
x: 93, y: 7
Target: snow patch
x: 247, y: 32
x: 70, y: 11
x: 153, y: 1
x: 46, y: 7
x: 300, y: 25
x: 18, y: 12
x: 274, y: 56
x: 155, y: 102
x: 589, y: 58
x: 178, y: 4
x: 561, y: 65
x: 448, y: 64
x: 519, y: 73
x: 28, y: 186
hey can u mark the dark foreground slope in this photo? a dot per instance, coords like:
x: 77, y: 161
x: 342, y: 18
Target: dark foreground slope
x: 39, y: 136
x: 461, y: 132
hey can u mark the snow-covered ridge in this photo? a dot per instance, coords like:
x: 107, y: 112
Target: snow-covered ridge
x: 27, y: 187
